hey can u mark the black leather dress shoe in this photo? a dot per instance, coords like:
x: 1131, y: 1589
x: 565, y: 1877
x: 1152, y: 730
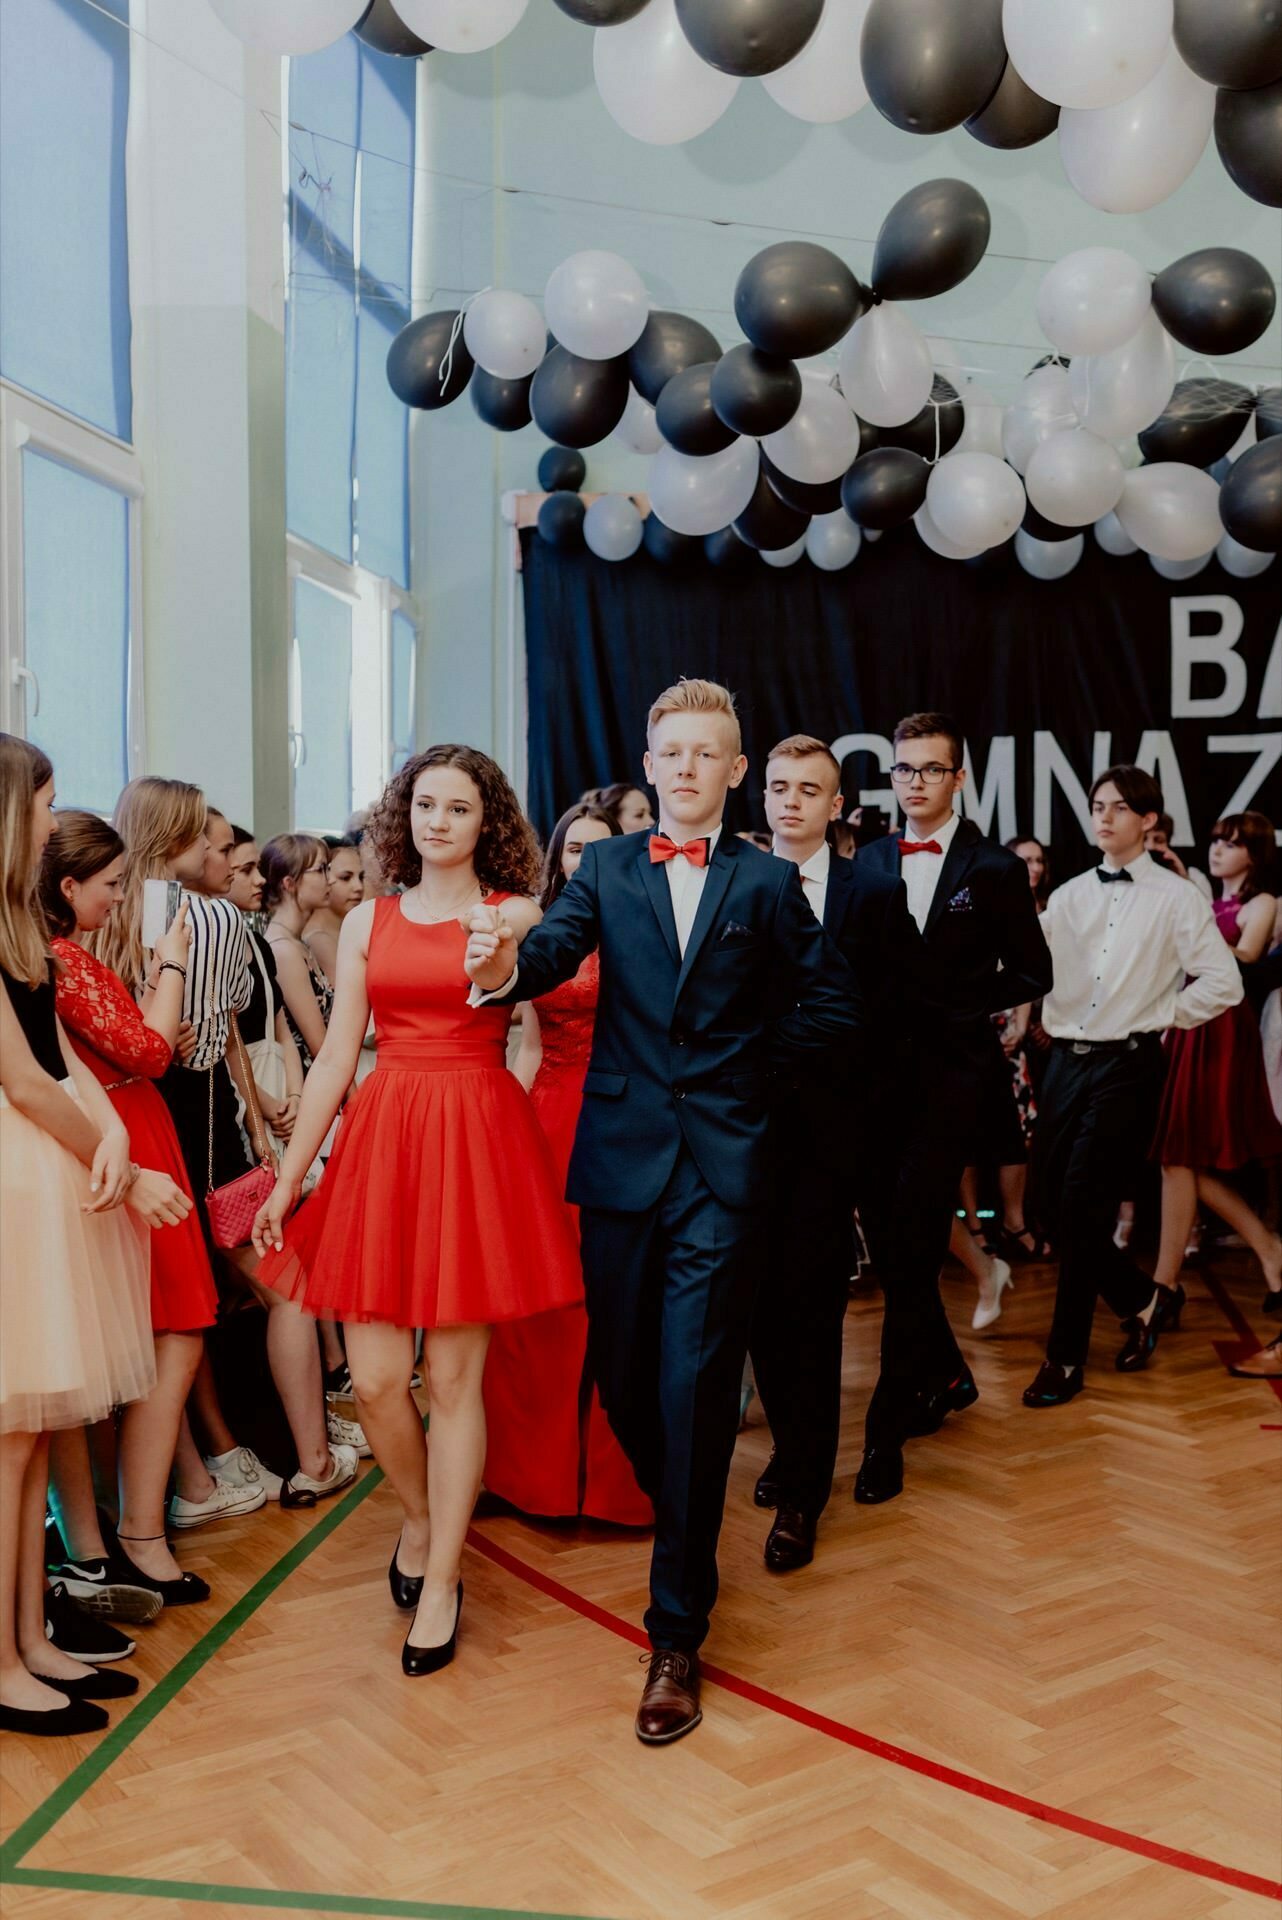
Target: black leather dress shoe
x: 1171, y: 1302
x: 1141, y: 1340
x: 416, y: 1661
x: 1053, y: 1387
x: 790, y: 1542
x: 767, y: 1491
x: 880, y: 1476
x: 927, y: 1411
x: 406, y: 1588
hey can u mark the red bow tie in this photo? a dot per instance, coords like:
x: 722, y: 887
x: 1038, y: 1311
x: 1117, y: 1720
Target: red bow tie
x: 920, y: 846
x: 661, y: 848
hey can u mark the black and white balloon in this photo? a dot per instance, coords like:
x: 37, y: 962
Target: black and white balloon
x: 1015, y: 116
x: 1251, y: 497
x: 931, y: 64
x: 885, y: 488
x: 669, y: 343
x: 502, y: 404
x: 1217, y: 300
x: 562, y: 470
x: 1231, y: 43
x: 577, y: 402
x: 767, y: 522
x: 560, y: 522
x: 1248, y: 134
x: 1200, y: 422
x: 417, y: 354
x: 754, y: 392
x: 797, y: 299
x: 601, y: 13
x: 685, y: 415
x: 670, y: 549
x: 382, y: 28
x: 932, y: 238
x: 748, y: 37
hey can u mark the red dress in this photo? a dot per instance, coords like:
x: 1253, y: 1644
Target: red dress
x: 551, y: 1450
x: 1216, y: 1113
x: 439, y: 1204
x: 109, y: 1034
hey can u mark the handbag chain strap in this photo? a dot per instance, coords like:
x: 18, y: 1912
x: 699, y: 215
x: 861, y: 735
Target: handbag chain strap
x: 258, y: 1128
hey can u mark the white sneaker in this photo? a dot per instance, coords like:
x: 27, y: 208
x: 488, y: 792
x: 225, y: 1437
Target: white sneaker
x: 347, y: 1433
x: 990, y: 1296
x: 241, y: 1467
x: 301, y: 1490
x: 225, y: 1500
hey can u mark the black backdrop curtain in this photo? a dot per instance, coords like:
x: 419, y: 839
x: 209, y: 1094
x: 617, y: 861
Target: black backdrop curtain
x: 1050, y: 681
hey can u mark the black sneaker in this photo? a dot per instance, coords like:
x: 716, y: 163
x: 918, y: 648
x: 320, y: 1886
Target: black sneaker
x: 338, y: 1383
x: 79, y: 1634
x: 100, y: 1586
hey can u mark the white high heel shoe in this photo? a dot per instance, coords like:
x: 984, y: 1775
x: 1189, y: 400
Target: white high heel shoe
x: 989, y: 1305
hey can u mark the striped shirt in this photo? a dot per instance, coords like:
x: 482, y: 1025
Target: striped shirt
x: 218, y: 980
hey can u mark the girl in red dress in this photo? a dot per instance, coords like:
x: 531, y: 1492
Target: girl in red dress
x: 127, y: 1049
x: 1216, y: 1114
x: 439, y: 1206
x: 551, y: 1448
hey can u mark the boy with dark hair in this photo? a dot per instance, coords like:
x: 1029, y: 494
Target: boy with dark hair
x: 1136, y: 950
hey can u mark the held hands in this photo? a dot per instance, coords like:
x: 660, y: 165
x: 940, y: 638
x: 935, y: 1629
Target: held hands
x: 158, y: 1200
x: 280, y: 1115
x: 490, y: 960
x: 109, y: 1175
x: 185, y: 1044
x: 174, y: 944
x: 270, y: 1219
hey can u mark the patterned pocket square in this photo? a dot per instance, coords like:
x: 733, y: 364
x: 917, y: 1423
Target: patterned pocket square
x: 961, y: 902
x: 735, y: 930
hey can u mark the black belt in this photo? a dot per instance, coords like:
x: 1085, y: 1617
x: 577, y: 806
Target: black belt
x: 1129, y: 1045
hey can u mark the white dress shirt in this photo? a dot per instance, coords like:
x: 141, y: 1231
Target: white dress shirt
x: 814, y: 878
x: 1122, y: 952
x: 686, y: 884
x: 921, y: 871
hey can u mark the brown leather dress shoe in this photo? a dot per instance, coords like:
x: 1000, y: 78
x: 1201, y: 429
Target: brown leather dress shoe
x: 670, y: 1698
x: 790, y: 1542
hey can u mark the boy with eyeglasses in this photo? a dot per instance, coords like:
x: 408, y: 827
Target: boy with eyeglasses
x: 1136, y: 951
x: 979, y: 950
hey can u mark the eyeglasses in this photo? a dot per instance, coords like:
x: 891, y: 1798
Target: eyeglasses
x: 903, y: 775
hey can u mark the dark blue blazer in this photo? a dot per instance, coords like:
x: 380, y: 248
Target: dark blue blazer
x: 684, y: 1048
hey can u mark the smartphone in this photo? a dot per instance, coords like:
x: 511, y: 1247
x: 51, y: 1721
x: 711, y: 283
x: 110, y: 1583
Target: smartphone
x: 160, y: 899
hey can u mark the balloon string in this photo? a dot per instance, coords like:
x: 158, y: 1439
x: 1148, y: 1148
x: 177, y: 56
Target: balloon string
x: 447, y: 358
x: 935, y: 405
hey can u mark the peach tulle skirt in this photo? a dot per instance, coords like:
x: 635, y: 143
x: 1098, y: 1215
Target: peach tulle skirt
x: 75, y: 1312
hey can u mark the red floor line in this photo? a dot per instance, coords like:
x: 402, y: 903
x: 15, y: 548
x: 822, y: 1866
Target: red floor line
x: 884, y: 1749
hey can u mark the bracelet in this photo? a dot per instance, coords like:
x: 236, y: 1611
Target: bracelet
x: 134, y: 1171
x: 172, y: 966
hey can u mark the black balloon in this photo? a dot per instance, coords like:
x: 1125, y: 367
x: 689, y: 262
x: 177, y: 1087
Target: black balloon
x: 930, y: 240
x: 1015, y: 116
x: 884, y: 488
x: 1231, y: 43
x: 807, y: 497
x: 504, y: 404
x: 668, y: 548
x: 560, y: 521
x: 669, y: 343
x: 768, y: 522
x: 934, y: 431
x: 601, y: 13
x: 930, y: 64
x: 577, y: 402
x: 562, y: 470
x: 755, y: 393
x: 381, y: 27
x: 1218, y: 300
x: 797, y: 299
x: 1251, y: 497
x: 1268, y: 413
x: 1200, y: 422
x: 1043, y: 529
x: 748, y: 37
x: 725, y: 549
x: 685, y: 415
x: 415, y: 357
x: 1248, y: 133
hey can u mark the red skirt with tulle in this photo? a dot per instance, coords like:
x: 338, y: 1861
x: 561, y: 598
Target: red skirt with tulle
x: 183, y: 1296
x: 1216, y: 1114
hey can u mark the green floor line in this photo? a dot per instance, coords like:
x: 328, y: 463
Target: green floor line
x: 124, y: 1732
x: 224, y: 1896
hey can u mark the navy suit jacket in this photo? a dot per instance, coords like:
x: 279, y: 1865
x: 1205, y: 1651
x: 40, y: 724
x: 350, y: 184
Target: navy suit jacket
x: 684, y: 1047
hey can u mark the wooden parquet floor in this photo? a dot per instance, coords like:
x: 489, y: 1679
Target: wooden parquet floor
x: 1072, y: 1611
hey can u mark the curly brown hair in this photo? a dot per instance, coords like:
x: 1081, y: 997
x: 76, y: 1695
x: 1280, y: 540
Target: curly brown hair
x: 507, y: 855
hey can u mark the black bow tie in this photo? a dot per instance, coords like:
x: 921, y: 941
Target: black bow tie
x: 1106, y: 878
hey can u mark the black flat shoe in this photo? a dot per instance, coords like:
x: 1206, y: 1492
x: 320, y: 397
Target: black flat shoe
x: 880, y: 1476
x: 790, y: 1542
x: 767, y: 1490
x: 1171, y: 1302
x: 183, y: 1592
x: 1053, y: 1387
x: 1272, y: 1302
x: 1141, y: 1340
x: 416, y: 1661
x: 406, y: 1587
x: 928, y: 1411
x: 78, y: 1716
x: 94, y: 1686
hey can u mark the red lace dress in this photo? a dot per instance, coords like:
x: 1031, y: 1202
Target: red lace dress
x: 109, y: 1034
x: 551, y: 1450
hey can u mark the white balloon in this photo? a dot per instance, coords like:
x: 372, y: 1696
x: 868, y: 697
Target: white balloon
x: 1178, y: 569
x: 1074, y: 476
x: 1092, y: 300
x: 871, y: 533
x: 461, y: 26
x: 1042, y: 406
x: 638, y: 429
x: 939, y: 542
x: 693, y: 493
x: 1171, y: 510
x: 1127, y: 158
x: 820, y: 440
x: 504, y: 333
x: 1242, y: 562
x: 288, y: 26
x: 1113, y: 537
x: 974, y: 499
x: 832, y: 540
x: 1121, y: 392
x: 1087, y: 53
x: 981, y: 422
x: 784, y: 556
x: 824, y: 81
x: 596, y: 304
x: 1048, y: 559
x: 612, y: 527
x: 885, y: 366
x: 653, y: 82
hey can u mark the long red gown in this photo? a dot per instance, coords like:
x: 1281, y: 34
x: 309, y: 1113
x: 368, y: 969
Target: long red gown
x: 551, y: 1450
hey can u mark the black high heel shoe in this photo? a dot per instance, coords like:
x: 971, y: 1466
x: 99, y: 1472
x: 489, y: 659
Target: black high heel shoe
x: 406, y: 1587
x: 416, y: 1661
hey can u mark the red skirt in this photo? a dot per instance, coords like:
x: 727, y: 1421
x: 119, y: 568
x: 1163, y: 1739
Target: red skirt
x: 183, y: 1295
x: 439, y: 1206
x: 1216, y: 1114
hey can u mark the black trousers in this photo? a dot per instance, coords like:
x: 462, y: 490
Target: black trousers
x: 1094, y: 1125
x: 797, y: 1328
x: 669, y: 1300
